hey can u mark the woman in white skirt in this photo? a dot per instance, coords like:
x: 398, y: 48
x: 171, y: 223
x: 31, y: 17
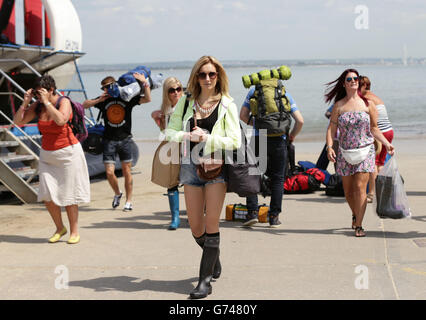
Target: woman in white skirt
x: 63, y: 173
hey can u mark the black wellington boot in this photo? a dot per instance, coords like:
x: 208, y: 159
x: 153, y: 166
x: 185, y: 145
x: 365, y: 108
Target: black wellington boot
x: 217, y: 267
x: 208, y: 260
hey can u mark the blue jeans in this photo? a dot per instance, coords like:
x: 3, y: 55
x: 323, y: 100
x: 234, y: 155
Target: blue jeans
x: 277, y: 162
x: 188, y: 176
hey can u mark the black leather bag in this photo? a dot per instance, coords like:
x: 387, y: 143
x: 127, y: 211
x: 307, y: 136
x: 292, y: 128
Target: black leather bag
x: 242, y: 172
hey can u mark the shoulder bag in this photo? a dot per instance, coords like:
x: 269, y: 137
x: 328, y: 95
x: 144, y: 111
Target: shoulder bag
x: 166, y: 161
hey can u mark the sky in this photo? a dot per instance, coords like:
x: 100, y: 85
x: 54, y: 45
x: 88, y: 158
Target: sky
x: 127, y: 31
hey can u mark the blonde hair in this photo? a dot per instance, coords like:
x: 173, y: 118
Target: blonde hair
x: 222, y: 84
x: 166, y: 104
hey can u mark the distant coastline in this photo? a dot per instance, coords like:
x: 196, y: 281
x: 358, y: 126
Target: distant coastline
x: 256, y: 63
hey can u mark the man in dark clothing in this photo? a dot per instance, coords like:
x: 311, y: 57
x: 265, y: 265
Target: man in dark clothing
x: 276, y: 160
x: 117, y: 116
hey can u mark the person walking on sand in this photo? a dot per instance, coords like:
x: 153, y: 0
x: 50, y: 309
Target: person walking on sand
x: 117, y: 116
x: 356, y: 118
x: 172, y: 92
x: 385, y: 127
x: 63, y: 173
x: 210, y: 125
x: 277, y: 159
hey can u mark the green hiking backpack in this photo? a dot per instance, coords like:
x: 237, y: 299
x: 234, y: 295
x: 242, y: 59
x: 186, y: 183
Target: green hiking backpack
x: 271, y: 108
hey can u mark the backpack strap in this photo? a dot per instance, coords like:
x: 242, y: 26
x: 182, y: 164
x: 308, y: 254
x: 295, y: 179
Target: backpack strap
x: 72, y: 106
x: 39, y: 104
x: 100, y: 113
x: 73, y: 119
x: 185, y: 107
x: 251, y: 78
x: 281, y: 95
x: 278, y: 101
x: 250, y: 117
x: 284, y: 95
x: 59, y: 101
x: 261, y: 105
x: 278, y: 97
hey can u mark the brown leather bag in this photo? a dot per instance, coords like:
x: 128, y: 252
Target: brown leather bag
x: 209, y: 168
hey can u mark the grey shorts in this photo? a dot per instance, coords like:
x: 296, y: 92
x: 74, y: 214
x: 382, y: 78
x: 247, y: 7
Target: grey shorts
x: 121, y: 147
x: 188, y: 175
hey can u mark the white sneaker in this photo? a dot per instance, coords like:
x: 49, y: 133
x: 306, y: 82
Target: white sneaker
x: 116, y: 201
x: 128, y: 206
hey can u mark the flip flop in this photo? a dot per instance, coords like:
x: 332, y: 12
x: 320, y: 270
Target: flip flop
x: 357, y: 232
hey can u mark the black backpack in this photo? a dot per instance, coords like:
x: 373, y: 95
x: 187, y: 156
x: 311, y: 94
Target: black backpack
x: 93, y: 144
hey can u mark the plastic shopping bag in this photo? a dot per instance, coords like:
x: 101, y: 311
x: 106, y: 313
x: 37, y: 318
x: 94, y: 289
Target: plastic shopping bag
x: 392, y: 201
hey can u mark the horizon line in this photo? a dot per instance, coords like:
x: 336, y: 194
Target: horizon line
x: 258, y: 60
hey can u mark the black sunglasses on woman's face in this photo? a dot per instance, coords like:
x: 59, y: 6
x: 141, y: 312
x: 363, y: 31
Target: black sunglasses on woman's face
x: 203, y: 75
x: 173, y: 90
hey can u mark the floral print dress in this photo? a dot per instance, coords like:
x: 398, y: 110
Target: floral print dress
x: 354, y: 133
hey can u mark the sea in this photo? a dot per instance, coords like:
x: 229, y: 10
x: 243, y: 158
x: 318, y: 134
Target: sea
x: 401, y: 87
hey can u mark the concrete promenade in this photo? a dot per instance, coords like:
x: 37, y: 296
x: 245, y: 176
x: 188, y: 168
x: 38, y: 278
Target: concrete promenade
x: 313, y: 255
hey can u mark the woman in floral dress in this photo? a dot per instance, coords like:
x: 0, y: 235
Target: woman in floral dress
x: 356, y: 119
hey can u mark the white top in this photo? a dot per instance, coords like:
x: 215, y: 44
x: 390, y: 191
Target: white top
x: 382, y: 120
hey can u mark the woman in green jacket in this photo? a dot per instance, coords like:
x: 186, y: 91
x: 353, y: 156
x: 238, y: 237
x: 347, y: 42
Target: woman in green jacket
x: 215, y: 130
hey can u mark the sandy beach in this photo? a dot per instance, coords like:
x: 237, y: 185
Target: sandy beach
x: 313, y: 255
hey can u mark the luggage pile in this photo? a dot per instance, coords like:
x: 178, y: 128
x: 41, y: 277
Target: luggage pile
x: 307, y: 179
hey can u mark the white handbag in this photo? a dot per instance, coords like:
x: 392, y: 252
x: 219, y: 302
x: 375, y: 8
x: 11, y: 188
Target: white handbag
x: 355, y: 156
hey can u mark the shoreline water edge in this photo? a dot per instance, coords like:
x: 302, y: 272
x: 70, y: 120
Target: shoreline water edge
x: 400, y: 87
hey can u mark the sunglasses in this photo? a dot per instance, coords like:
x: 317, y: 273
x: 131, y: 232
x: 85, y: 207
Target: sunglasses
x: 107, y: 86
x: 203, y: 75
x: 35, y: 93
x: 173, y: 90
x: 349, y: 79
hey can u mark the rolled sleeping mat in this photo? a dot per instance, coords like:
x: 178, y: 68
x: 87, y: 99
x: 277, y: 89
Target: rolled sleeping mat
x: 283, y: 73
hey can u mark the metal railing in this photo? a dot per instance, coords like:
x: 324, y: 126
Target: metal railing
x: 22, y: 131
x: 5, y: 75
x: 12, y: 93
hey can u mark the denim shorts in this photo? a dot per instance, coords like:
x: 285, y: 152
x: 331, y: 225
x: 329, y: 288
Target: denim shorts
x: 121, y: 147
x: 188, y: 175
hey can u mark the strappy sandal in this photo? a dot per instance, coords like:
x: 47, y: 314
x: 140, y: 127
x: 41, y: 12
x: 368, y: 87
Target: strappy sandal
x: 353, y: 222
x: 370, y: 197
x: 359, y: 232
